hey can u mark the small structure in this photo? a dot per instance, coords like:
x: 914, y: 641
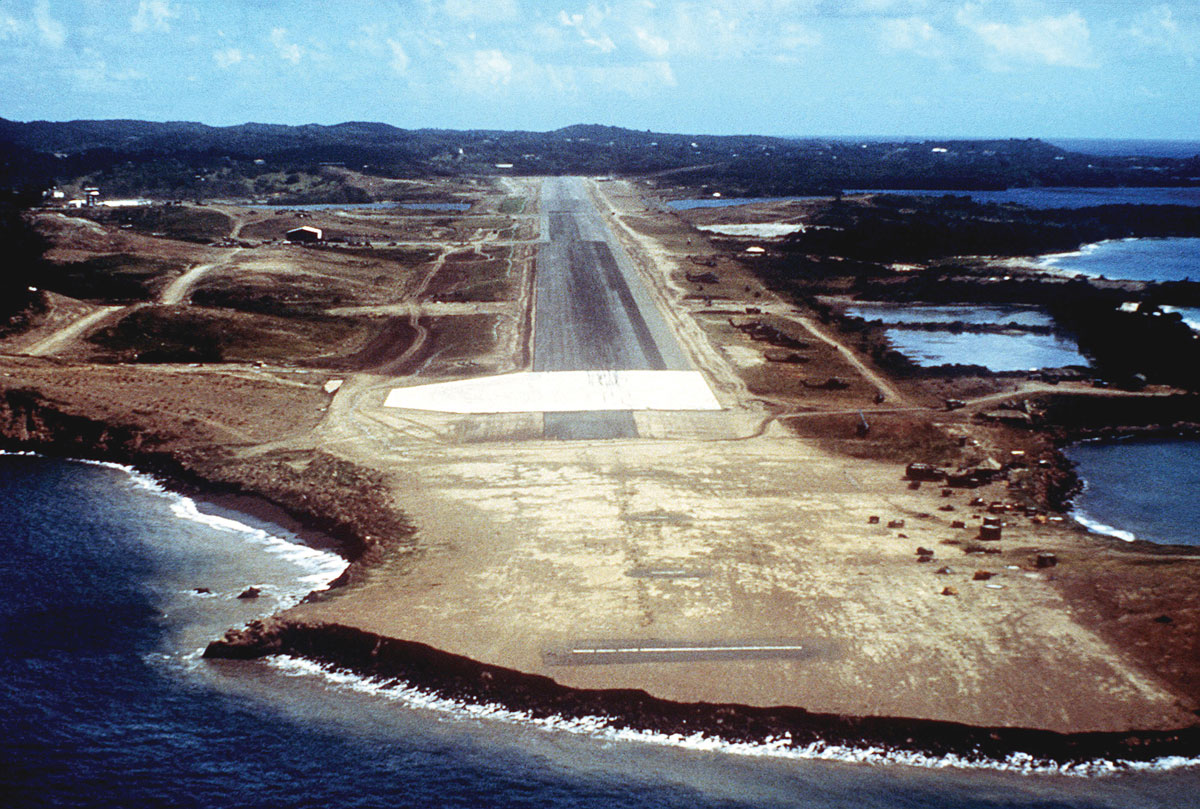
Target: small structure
x: 923, y: 471
x: 990, y: 530
x: 305, y: 234
x: 1045, y: 560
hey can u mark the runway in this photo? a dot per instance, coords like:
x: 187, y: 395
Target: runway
x: 601, y: 347
x: 592, y: 312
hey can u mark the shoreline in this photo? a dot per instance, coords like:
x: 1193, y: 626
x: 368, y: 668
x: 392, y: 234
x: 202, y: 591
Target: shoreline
x: 396, y: 662
x: 460, y: 678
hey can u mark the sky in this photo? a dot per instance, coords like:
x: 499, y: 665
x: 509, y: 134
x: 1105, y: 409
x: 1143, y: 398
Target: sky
x: 975, y: 68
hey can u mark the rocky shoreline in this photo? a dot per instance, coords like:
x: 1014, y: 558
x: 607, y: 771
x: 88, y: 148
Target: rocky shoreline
x: 461, y: 679
x: 343, y: 502
x: 332, y: 497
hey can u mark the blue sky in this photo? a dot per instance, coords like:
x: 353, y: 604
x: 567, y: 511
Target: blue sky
x: 1011, y: 68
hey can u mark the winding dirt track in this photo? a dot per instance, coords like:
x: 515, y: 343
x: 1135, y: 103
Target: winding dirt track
x: 178, y: 290
x: 62, y: 338
x: 717, y: 529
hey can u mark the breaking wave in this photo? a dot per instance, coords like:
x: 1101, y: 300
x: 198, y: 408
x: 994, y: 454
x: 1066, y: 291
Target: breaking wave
x: 781, y: 747
x: 319, y: 567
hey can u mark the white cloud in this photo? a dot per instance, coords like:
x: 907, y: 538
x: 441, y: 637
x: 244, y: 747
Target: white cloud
x: 93, y: 73
x: 288, y: 51
x: 875, y: 8
x: 634, y: 80
x: 1159, y: 29
x: 585, y: 25
x: 484, y: 70
x: 1062, y: 41
x: 399, y: 60
x: 9, y: 27
x: 228, y: 57
x: 51, y: 30
x: 481, y: 10
x: 724, y: 29
x: 651, y: 44
x: 796, y: 37
x: 153, y: 15
x: 913, y: 34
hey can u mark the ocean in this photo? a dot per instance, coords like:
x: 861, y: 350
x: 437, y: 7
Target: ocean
x: 1140, y: 489
x: 1170, y: 259
x: 105, y: 701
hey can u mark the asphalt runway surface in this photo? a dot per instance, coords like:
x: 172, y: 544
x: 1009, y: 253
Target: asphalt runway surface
x: 591, y: 311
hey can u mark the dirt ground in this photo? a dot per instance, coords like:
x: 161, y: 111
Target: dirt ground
x: 741, y: 528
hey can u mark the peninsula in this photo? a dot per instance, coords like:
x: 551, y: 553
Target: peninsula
x: 593, y: 455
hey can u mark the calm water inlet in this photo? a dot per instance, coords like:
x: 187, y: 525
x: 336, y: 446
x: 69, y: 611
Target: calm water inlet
x: 1140, y: 489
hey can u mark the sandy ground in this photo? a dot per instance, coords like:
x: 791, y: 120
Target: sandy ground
x: 722, y: 528
x: 711, y: 528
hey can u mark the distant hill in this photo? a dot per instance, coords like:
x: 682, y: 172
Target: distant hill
x: 170, y: 158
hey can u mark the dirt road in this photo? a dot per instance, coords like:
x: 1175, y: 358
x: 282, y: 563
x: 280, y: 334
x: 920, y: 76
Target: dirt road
x: 60, y: 339
x: 708, y: 531
x: 178, y: 290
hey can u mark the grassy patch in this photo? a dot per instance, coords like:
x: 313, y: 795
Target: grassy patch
x: 512, y: 205
x: 468, y: 277
x: 890, y: 438
x: 117, y: 278
x: 166, y: 334
x: 185, y: 223
x: 455, y: 344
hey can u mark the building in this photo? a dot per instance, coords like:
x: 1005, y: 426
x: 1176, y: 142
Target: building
x: 305, y: 234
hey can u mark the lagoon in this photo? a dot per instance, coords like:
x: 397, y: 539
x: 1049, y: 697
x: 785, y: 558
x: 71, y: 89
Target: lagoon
x: 996, y: 352
x: 932, y: 313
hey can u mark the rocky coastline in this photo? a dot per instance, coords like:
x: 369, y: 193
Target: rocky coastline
x: 343, y: 502
x: 392, y: 660
x: 329, y: 496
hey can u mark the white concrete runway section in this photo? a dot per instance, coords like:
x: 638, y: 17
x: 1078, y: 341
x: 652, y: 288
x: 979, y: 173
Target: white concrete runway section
x: 561, y: 392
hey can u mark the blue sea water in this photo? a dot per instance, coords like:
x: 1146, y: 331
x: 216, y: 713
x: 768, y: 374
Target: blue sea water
x: 1171, y: 259
x: 995, y: 351
x: 1119, y: 147
x: 1140, y: 489
x: 104, y: 701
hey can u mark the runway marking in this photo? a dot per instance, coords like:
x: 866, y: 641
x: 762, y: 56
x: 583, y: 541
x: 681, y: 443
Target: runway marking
x: 683, y: 649
x: 561, y: 392
x: 635, y: 652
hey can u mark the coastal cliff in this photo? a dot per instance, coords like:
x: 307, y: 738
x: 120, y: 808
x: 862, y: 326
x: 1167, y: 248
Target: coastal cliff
x: 461, y: 679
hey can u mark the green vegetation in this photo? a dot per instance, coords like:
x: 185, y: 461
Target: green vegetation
x: 182, y: 222
x: 186, y: 161
x: 168, y: 334
x: 892, y: 228
x: 23, y: 265
x: 118, y: 278
x: 512, y: 205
